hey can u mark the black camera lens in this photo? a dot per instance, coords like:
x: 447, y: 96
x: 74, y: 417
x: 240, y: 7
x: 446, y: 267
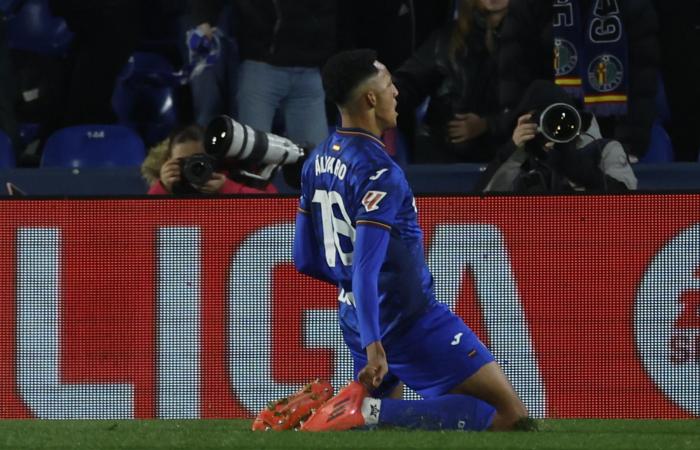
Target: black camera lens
x: 560, y: 122
x: 197, y: 169
x: 219, y: 136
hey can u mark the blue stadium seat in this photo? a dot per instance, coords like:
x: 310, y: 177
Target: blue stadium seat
x: 144, y: 96
x: 660, y: 147
x: 7, y: 152
x: 28, y: 133
x: 32, y: 28
x: 93, y: 146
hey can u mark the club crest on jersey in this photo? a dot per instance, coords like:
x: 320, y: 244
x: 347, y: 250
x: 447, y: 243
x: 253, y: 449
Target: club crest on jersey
x: 371, y: 200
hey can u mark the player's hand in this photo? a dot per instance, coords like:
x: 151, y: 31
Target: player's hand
x: 525, y: 131
x: 373, y: 373
x: 170, y: 173
x: 215, y: 183
x: 465, y: 127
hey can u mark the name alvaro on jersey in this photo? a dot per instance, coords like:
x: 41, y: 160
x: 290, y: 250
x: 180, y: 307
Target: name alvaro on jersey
x: 330, y: 164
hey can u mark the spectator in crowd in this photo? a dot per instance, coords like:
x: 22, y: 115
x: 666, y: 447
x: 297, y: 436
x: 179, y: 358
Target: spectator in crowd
x: 8, y: 122
x: 679, y: 36
x: 606, y: 53
x: 457, y: 68
x: 162, y: 169
x: 530, y: 162
x: 210, y: 43
x: 282, y: 43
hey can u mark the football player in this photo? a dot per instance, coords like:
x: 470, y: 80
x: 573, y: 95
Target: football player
x: 357, y: 228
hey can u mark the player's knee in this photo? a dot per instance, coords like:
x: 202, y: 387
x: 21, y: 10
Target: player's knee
x: 526, y: 424
x: 512, y: 416
x: 520, y: 410
x: 518, y: 419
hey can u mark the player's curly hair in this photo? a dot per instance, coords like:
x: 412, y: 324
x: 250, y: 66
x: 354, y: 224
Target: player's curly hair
x: 345, y: 71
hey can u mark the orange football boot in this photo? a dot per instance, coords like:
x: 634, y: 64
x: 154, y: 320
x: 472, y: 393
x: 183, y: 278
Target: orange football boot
x: 342, y: 412
x: 288, y: 412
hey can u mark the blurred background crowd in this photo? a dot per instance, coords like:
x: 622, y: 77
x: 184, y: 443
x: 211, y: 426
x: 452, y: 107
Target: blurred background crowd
x: 145, y: 70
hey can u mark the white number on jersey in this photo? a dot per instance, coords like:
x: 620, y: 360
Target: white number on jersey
x: 334, y: 227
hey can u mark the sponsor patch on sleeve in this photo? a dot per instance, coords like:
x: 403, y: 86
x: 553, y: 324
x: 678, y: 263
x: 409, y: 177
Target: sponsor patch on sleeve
x: 371, y: 200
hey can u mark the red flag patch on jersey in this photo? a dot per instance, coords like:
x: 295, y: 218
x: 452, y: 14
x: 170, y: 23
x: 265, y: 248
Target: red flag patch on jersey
x: 371, y: 200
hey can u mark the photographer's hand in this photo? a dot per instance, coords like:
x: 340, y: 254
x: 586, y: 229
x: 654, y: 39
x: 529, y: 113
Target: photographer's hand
x: 215, y: 183
x: 170, y: 174
x: 525, y: 131
x: 465, y: 127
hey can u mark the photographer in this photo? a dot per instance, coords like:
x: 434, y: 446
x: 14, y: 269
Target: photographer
x: 605, y: 52
x: 533, y: 162
x: 163, y: 168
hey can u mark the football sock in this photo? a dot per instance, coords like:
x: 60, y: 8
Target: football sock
x: 448, y: 412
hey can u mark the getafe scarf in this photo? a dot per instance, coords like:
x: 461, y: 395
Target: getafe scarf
x: 591, y: 54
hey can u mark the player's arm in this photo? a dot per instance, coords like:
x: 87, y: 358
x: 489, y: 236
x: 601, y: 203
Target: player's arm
x: 380, y: 197
x: 307, y: 255
x: 371, y: 243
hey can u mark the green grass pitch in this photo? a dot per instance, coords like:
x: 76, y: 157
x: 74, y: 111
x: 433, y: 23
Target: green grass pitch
x: 235, y: 434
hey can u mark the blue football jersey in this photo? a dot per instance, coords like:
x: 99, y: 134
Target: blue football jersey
x: 348, y: 180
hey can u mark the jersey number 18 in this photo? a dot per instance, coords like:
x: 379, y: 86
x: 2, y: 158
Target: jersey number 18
x: 334, y: 227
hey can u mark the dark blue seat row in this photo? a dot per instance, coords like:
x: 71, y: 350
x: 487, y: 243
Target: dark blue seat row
x: 144, y: 94
x: 93, y: 146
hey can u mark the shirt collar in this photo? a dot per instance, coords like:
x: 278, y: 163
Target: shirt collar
x: 360, y: 132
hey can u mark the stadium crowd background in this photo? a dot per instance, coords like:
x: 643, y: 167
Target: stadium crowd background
x: 78, y: 78
x: 142, y: 69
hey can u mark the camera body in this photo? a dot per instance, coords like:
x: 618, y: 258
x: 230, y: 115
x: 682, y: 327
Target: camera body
x: 195, y: 170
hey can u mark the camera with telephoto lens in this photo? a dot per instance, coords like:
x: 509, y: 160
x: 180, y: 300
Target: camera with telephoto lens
x: 247, y: 153
x: 559, y: 123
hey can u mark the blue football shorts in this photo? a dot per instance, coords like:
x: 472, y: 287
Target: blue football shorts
x: 434, y: 355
